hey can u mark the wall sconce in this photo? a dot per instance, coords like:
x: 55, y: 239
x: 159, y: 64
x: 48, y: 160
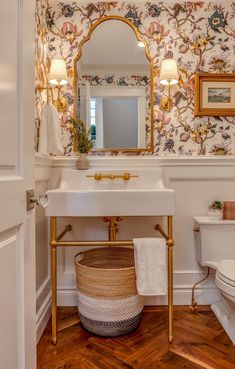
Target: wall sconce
x: 58, y: 77
x: 168, y: 76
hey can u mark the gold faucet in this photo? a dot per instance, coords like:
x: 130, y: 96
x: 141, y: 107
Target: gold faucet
x: 98, y: 176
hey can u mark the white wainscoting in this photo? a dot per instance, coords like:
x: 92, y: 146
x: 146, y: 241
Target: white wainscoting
x: 43, y: 293
x: 197, y: 181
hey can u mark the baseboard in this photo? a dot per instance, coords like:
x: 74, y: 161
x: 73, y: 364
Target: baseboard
x: 182, y: 296
x: 43, y: 316
x: 43, y: 307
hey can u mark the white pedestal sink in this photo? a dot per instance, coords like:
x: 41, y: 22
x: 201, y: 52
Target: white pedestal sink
x: 79, y: 195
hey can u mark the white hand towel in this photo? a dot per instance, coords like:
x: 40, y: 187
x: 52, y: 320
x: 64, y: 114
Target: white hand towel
x: 150, y: 265
x: 54, y: 131
x: 50, y: 131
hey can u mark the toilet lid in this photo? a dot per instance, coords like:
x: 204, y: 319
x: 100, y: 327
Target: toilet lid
x: 226, y: 271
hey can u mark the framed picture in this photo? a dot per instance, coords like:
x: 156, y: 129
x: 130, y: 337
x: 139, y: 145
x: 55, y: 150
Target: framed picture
x: 214, y: 94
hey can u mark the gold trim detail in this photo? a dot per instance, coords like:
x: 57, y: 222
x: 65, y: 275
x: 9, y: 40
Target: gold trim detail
x: 139, y: 38
x: 199, y: 79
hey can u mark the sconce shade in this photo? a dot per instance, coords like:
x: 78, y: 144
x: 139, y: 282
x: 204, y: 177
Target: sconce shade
x: 58, y: 72
x: 169, y: 72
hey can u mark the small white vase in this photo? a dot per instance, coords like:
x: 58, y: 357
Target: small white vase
x: 215, y: 214
x: 82, y: 162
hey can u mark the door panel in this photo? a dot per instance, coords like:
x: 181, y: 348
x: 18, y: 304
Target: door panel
x: 10, y: 296
x: 9, y: 82
x: 17, y: 248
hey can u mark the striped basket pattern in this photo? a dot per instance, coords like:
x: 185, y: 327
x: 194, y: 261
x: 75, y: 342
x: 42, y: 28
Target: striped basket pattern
x: 108, y: 302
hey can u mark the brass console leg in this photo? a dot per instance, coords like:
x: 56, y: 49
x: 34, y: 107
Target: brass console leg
x: 54, y: 280
x: 170, y: 244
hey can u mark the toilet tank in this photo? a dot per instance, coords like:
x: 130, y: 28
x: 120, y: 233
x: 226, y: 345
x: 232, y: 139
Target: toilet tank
x: 215, y: 240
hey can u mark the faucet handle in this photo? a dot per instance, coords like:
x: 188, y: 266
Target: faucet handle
x: 98, y: 176
x: 126, y: 176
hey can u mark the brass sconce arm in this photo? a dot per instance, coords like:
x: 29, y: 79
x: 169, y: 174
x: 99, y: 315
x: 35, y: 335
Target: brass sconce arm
x: 61, y: 103
x: 166, y: 102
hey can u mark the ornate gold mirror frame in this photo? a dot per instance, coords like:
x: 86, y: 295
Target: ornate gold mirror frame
x: 139, y: 38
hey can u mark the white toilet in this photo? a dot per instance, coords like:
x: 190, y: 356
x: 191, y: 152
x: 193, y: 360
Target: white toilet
x: 215, y: 244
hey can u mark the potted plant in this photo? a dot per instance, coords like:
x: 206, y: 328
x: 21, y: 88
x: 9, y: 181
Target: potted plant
x: 82, y: 141
x: 215, y: 210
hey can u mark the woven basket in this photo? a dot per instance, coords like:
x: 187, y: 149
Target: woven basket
x: 108, y: 302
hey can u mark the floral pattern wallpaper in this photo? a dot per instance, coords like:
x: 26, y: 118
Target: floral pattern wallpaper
x: 199, y: 35
x: 41, y: 62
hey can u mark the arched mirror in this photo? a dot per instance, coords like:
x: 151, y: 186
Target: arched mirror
x: 114, y: 87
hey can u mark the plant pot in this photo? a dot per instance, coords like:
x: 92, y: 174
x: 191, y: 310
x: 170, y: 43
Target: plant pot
x: 215, y: 214
x: 82, y: 162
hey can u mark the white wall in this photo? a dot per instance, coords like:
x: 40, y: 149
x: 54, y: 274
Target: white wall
x: 197, y: 181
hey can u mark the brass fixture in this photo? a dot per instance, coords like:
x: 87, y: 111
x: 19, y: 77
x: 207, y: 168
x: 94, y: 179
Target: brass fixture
x: 168, y: 76
x: 113, y: 226
x: 58, y: 78
x: 56, y: 241
x: 98, y: 176
x: 61, y: 103
x: 166, y: 103
x: 193, y: 306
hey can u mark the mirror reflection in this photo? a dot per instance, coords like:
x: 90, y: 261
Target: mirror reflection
x: 113, y: 87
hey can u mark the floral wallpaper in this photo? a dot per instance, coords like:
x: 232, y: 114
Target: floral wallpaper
x: 41, y: 61
x: 199, y: 35
x: 115, y: 80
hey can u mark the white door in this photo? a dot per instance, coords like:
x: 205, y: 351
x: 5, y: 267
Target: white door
x: 17, y: 259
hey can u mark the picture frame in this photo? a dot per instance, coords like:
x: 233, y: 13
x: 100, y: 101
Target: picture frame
x: 214, y: 94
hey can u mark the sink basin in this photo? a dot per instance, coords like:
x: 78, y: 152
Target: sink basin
x: 80, y: 195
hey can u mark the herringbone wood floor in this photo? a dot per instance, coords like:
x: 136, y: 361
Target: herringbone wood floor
x: 199, y: 342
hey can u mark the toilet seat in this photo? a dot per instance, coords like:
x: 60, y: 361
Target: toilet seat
x: 225, y: 276
x: 226, y: 271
